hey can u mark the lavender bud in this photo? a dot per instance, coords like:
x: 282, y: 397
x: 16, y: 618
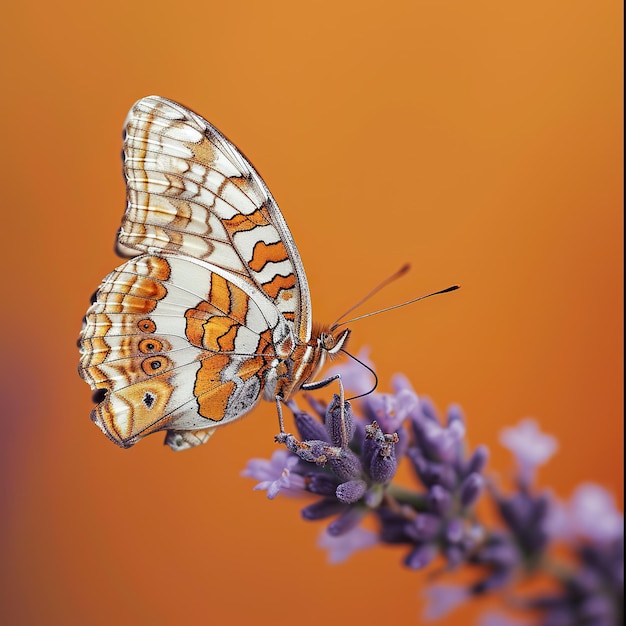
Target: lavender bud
x: 318, y: 482
x: 421, y: 556
x: 501, y: 555
x: 454, y: 555
x: 454, y: 530
x: 540, y: 509
x: 497, y: 580
x: 384, y: 465
x: 471, y: 489
x: 430, y: 472
x: 403, y: 442
x: 440, y: 500
x: 339, y: 424
x: 359, y: 436
x: 425, y: 527
x: 427, y: 410
x: 516, y: 512
x: 346, y: 465
x: 477, y: 461
x: 346, y: 521
x: 420, y: 464
x: 310, y: 428
x: 322, y: 509
x: 455, y: 414
x: 597, y: 610
x: 351, y: 491
x: 392, y: 527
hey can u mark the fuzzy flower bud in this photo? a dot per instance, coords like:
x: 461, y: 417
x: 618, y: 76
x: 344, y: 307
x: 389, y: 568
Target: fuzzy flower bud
x: 339, y: 423
x: 351, y: 491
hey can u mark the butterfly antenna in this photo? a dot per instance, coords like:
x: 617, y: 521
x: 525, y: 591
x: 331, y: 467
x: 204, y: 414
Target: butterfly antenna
x: 395, y: 306
x: 371, y: 371
x: 401, y: 272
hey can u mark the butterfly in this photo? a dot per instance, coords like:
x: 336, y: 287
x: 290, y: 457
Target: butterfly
x: 211, y: 311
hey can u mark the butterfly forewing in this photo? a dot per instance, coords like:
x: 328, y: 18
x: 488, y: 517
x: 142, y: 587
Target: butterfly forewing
x: 191, y: 192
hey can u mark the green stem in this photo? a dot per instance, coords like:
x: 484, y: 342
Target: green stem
x: 402, y: 495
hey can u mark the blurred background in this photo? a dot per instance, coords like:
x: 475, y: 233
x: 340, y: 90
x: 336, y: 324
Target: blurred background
x: 481, y: 141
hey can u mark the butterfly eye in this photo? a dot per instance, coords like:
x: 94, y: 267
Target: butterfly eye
x: 327, y: 341
x: 146, y: 326
x: 148, y: 346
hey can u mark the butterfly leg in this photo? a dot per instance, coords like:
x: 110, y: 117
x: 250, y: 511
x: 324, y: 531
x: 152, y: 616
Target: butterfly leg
x: 342, y: 402
x: 305, y: 449
x: 279, y: 410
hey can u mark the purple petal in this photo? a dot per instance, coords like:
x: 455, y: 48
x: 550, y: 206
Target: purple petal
x: 421, y: 556
x: 399, y: 382
x: 529, y: 445
x: 593, y: 514
x: 340, y: 548
x: 348, y: 520
x: 442, y: 599
x: 440, y: 443
x: 390, y: 410
x: 276, y: 474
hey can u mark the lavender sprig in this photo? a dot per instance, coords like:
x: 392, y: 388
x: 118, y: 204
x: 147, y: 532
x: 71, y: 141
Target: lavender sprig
x: 348, y: 462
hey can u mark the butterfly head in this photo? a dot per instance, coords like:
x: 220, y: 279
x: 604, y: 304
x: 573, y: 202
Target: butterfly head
x: 332, y: 341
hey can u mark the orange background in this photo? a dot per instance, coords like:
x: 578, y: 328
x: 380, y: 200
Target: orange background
x: 479, y: 140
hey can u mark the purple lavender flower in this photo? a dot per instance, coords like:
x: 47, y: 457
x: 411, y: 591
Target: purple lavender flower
x: 594, y: 516
x: 530, y: 447
x: 349, y: 463
x: 345, y: 461
x: 276, y: 475
x: 443, y: 522
x: 390, y: 410
x: 592, y: 592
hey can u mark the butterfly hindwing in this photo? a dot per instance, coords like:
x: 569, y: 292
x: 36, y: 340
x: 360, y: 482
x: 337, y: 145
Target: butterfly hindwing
x: 179, y: 344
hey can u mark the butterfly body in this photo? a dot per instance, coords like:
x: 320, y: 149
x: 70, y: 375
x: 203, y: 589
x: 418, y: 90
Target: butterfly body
x: 212, y: 311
